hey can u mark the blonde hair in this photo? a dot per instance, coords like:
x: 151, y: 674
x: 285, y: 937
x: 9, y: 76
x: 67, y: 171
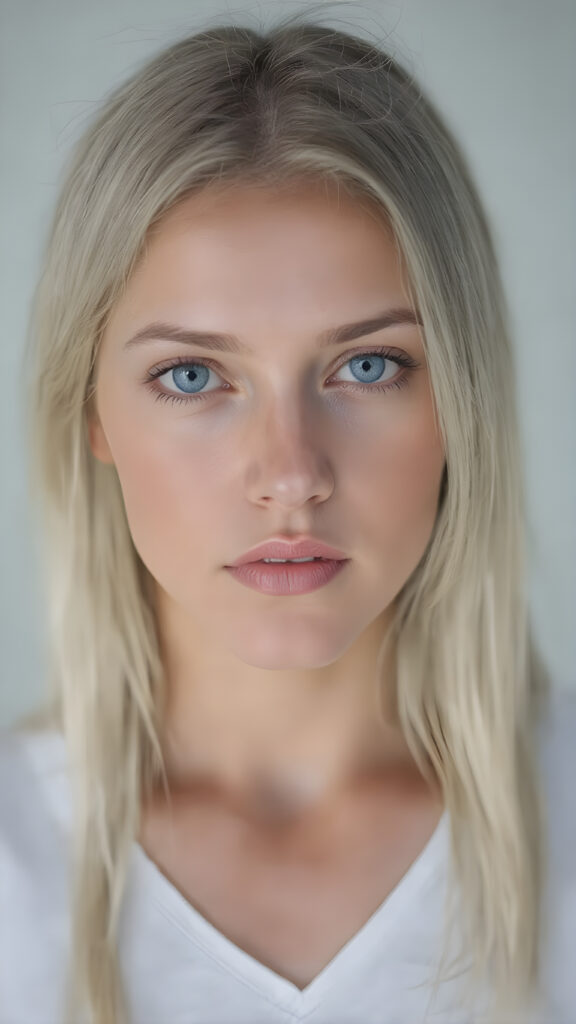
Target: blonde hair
x: 232, y: 105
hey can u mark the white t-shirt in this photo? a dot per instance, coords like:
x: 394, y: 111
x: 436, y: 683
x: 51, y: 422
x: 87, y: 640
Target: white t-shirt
x: 179, y: 969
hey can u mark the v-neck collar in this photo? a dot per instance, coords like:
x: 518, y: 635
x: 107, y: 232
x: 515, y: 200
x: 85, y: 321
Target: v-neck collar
x: 48, y: 752
x: 277, y: 989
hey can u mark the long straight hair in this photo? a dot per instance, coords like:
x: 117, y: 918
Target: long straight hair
x: 233, y: 105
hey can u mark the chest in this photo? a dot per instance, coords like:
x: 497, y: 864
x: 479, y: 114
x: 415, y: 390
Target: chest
x: 290, y: 899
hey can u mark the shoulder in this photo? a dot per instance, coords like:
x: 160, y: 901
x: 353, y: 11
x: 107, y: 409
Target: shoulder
x: 32, y: 787
x: 28, y: 755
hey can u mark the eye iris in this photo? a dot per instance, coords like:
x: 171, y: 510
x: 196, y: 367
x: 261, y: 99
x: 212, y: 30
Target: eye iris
x: 191, y: 377
x: 364, y: 363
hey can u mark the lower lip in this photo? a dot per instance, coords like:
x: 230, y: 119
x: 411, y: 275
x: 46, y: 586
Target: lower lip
x: 299, y: 578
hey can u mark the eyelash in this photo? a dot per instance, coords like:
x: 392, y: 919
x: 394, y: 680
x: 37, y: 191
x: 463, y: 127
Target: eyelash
x: 403, y: 360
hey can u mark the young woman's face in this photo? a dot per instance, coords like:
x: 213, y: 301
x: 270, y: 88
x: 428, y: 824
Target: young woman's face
x: 281, y: 436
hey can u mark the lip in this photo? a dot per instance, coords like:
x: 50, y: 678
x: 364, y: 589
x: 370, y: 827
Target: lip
x: 287, y: 580
x: 285, y: 547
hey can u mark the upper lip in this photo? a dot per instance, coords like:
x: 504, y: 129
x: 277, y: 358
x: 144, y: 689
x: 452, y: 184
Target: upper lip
x: 282, y: 547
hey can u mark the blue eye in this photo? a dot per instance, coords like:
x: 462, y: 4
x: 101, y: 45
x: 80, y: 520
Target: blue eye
x: 191, y: 376
x: 369, y: 366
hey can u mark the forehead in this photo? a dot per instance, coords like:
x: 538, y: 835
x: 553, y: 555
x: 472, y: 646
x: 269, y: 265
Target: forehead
x: 287, y: 222
x: 304, y: 257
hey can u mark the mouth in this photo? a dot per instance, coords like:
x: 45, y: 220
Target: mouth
x: 289, y: 551
x: 287, y: 578
x: 289, y: 561
x: 286, y: 561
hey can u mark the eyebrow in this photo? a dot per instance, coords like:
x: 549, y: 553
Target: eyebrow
x: 162, y: 331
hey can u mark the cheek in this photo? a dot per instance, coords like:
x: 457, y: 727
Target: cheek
x: 172, y: 495
x: 393, y: 481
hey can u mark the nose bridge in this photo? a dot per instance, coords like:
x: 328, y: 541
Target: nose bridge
x: 286, y: 456
x: 288, y: 420
x: 290, y: 435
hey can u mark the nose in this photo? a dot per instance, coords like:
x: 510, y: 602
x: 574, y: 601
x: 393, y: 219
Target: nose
x: 288, y: 464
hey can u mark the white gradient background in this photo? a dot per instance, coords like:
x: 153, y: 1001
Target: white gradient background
x: 503, y: 72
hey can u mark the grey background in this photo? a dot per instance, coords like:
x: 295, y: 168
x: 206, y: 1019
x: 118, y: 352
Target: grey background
x: 504, y: 75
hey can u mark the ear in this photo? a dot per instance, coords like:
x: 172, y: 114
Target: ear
x: 98, y: 441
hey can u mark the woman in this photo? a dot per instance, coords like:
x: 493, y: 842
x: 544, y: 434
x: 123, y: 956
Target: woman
x: 270, y: 326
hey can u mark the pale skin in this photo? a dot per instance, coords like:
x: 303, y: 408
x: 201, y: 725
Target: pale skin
x: 295, y: 797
